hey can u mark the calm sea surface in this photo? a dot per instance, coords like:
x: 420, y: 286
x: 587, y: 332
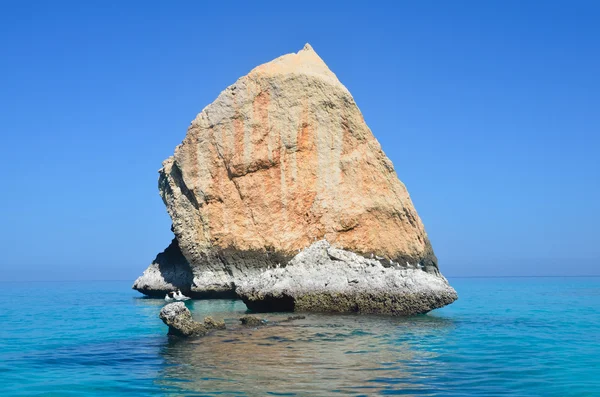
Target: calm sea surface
x: 503, y: 337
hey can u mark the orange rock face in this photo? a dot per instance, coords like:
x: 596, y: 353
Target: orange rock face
x: 281, y: 159
x: 284, y: 158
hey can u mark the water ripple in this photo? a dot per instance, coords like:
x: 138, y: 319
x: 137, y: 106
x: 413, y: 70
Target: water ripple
x: 502, y: 338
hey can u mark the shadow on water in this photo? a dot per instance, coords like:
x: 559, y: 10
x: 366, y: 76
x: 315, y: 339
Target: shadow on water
x: 322, y: 354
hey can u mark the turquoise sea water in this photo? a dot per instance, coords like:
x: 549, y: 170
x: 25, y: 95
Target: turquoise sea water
x: 503, y: 337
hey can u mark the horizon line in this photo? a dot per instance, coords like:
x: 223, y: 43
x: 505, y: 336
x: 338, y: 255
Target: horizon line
x: 108, y: 280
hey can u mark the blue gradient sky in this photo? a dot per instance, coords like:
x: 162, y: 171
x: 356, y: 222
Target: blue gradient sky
x: 490, y: 112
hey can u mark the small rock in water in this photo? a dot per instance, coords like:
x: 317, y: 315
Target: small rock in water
x: 252, y: 321
x: 211, y: 323
x: 180, y: 321
x: 292, y: 318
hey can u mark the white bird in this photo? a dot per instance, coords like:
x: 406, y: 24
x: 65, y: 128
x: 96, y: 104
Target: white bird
x: 180, y: 297
x: 372, y: 255
x: 175, y: 296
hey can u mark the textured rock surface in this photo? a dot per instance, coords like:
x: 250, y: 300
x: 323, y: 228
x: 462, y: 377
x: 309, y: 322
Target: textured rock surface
x: 180, y: 321
x: 327, y: 279
x: 282, y: 159
x: 169, y: 271
x: 252, y: 321
x: 211, y: 323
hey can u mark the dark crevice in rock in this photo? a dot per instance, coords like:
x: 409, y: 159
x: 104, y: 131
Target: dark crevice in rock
x: 283, y: 303
x: 227, y: 294
x: 151, y: 293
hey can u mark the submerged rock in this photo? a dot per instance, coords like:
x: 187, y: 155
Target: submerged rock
x: 293, y: 318
x: 252, y: 321
x: 211, y: 323
x: 180, y: 321
x: 271, y: 176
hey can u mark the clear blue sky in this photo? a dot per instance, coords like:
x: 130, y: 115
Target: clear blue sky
x: 489, y: 110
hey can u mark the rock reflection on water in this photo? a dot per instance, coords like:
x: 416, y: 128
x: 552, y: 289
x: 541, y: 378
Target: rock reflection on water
x: 320, y: 355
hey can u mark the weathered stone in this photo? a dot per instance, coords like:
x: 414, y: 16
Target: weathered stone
x: 211, y: 323
x: 290, y: 319
x: 252, y: 321
x: 282, y: 159
x: 327, y: 279
x: 180, y: 321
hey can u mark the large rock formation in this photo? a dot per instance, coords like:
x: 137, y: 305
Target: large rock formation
x: 283, y: 159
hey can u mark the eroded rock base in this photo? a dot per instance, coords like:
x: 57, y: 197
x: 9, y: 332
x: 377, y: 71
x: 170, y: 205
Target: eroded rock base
x: 323, y: 278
